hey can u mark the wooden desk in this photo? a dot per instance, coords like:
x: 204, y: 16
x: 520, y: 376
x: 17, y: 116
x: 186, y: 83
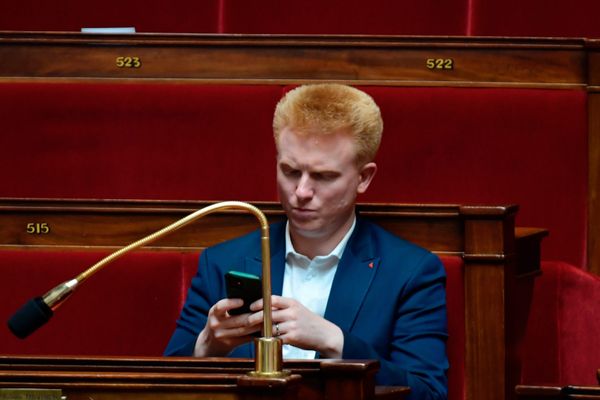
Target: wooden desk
x: 192, y: 378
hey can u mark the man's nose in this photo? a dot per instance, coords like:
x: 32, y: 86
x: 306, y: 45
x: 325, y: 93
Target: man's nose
x: 304, y: 188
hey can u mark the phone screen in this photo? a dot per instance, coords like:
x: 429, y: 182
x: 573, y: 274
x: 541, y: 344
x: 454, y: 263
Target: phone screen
x: 241, y: 285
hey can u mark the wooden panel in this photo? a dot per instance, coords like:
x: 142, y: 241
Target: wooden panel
x: 190, y: 378
x: 285, y: 59
x: 117, y: 223
x: 490, y: 248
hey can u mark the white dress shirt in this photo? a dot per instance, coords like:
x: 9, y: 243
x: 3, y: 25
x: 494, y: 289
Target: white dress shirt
x: 309, y: 282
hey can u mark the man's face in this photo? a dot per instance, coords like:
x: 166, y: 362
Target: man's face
x: 318, y: 180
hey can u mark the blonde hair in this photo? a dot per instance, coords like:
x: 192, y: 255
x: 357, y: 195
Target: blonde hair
x: 329, y: 108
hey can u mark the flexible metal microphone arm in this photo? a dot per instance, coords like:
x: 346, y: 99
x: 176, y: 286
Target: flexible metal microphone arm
x: 268, y: 358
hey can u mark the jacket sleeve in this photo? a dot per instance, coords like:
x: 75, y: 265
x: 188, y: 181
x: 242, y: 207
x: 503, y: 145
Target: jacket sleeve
x: 417, y: 353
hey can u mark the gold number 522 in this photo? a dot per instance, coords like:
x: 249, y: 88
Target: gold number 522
x: 439, y: 63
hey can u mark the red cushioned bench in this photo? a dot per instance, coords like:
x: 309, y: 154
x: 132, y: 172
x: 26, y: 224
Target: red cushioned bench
x: 127, y: 309
x: 213, y: 142
x: 511, y: 18
x: 130, y: 307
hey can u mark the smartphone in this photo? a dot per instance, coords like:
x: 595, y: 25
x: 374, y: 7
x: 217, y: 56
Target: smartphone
x: 241, y: 285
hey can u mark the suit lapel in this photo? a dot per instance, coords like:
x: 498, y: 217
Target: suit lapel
x: 353, y: 278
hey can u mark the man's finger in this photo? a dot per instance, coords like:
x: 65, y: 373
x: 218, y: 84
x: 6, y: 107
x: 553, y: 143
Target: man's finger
x: 222, y: 306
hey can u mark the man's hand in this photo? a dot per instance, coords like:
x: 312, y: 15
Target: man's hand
x: 222, y: 331
x: 301, y: 327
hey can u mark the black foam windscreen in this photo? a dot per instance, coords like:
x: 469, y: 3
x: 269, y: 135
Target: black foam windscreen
x: 29, y: 318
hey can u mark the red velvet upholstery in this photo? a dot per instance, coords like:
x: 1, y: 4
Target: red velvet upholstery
x: 128, y: 308
x: 383, y: 17
x: 577, y: 18
x: 468, y: 145
x: 146, y: 141
x: 455, y: 302
x: 203, y: 142
x: 560, y: 345
x: 144, y: 15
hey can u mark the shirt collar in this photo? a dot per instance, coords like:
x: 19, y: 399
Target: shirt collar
x: 336, y: 252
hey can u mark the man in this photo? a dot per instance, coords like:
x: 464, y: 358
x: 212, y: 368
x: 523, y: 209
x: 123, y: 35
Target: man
x: 343, y: 287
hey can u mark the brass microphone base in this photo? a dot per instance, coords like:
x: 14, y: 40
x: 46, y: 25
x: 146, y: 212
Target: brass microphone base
x: 269, y: 359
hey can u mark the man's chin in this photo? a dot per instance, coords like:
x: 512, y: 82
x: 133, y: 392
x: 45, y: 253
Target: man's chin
x: 308, y: 230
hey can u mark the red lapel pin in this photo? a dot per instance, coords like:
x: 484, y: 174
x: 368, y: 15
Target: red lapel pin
x: 371, y: 264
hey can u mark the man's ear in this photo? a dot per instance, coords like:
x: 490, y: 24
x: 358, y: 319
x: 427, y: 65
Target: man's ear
x: 366, y: 174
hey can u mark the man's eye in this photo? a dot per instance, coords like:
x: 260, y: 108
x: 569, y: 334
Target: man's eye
x: 324, y: 177
x: 291, y: 172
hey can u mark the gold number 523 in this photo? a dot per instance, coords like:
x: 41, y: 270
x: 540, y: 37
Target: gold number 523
x: 129, y: 62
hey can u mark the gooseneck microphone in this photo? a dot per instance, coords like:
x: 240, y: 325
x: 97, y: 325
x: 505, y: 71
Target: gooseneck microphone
x: 39, y: 310
x: 30, y: 317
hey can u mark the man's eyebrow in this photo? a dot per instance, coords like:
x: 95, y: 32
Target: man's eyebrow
x: 327, y: 172
x: 283, y: 164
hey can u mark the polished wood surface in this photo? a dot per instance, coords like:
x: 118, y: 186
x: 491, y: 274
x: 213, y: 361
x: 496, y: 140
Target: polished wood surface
x: 385, y: 60
x: 114, y: 223
x: 192, y: 378
x: 493, y: 251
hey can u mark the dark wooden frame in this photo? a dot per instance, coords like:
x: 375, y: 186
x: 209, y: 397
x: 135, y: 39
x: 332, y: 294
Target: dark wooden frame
x: 497, y: 256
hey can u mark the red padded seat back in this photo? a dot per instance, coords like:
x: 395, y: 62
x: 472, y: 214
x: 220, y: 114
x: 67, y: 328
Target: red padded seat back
x: 455, y: 302
x: 384, y: 17
x: 490, y: 146
x: 144, y: 15
x: 127, y: 308
x: 537, y: 18
x: 140, y: 141
x: 560, y: 345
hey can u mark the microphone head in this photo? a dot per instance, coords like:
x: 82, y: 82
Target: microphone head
x: 29, y: 318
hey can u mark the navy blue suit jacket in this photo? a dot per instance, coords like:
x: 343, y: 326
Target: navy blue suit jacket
x: 388, y: 297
